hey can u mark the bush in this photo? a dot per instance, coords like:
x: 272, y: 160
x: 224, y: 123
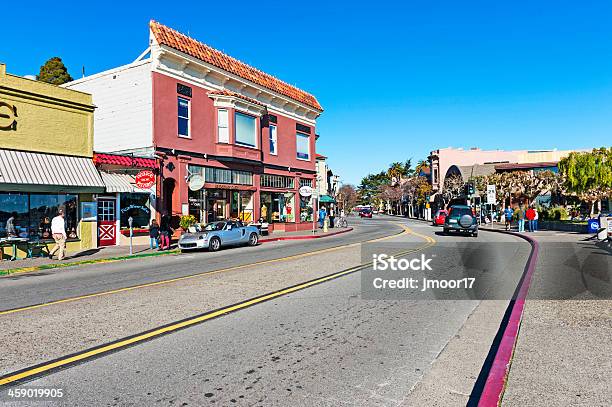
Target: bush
x: 186, y: 221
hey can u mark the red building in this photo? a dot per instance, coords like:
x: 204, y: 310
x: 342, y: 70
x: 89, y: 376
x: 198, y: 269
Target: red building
x: 231, y: 141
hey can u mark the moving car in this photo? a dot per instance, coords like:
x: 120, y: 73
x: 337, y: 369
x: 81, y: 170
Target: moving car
x: 217, y: 234
x: 439, y: 217
x: 461, y: 218
x: 365, y: 213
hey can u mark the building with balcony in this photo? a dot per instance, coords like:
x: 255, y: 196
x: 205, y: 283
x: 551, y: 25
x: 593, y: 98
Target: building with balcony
x: 231, y: 141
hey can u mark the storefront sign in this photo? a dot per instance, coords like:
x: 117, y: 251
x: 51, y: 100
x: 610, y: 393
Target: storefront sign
x: 8, y: 116
x: 196, y: 182
x: 306, y: 190
x: 89, y: 211
x: 210, y: 185
x: 145, y: 179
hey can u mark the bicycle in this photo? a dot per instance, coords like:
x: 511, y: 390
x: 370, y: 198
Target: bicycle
x: 342, y: 223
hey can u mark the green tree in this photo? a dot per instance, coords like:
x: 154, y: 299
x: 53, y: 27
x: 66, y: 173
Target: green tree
x: 588, y: 175
x: 54, y: 71
x: 370, y: 186
x: 421, y: 165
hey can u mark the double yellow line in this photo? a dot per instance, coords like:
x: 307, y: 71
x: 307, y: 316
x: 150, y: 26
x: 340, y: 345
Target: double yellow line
x: 63, y: 362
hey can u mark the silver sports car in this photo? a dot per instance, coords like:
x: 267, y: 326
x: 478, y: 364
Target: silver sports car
x: 217, y: 234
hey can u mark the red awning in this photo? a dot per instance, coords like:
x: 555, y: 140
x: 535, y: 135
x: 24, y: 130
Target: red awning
x: 124, y: 160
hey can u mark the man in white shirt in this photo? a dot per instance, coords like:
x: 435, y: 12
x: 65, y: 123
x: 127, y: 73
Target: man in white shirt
x: 58, y: 230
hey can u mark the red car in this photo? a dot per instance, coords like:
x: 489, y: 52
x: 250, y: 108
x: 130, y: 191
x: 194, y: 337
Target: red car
x: 365, y: 213
x: 439, y: 217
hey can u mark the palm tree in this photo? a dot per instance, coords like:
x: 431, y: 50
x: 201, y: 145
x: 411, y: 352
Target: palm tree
x: 421, y: 165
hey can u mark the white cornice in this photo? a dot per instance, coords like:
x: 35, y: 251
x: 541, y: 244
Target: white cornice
x: 192, y: 70
x: 226, y: 101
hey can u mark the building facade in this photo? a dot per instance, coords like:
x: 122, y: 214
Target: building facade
x: 231, y: 141
x: 46, y: 148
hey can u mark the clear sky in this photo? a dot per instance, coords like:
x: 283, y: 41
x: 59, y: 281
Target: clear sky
x: 396, y: 80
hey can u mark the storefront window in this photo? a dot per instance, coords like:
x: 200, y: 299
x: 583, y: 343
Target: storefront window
x: 306, y: 210
x: 32, y: 213
x: 277, y: 207
x: 137, y: 206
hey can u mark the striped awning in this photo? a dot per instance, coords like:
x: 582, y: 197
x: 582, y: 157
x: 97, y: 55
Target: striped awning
x: 37, y: 172
x: 115, y: 182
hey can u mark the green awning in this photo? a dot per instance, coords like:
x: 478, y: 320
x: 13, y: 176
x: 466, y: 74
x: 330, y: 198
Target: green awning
x: 326, y: 199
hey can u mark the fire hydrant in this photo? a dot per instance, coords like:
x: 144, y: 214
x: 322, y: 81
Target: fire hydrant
x: 325, y: 225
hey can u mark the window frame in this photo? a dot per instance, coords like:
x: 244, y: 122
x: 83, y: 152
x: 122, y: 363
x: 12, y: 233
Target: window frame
x: 273, y: 139
x: 179, y: 117
x: 297, y: 152
x: 241, y: 144
x: 227, y: 126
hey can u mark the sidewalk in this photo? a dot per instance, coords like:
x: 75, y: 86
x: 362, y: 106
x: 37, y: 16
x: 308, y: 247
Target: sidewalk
x: 562, y: 355
x: 115, y: 253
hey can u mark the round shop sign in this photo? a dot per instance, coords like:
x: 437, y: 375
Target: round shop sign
x: 305, y: 190
x: 145, y: 179
x: 196, y: 182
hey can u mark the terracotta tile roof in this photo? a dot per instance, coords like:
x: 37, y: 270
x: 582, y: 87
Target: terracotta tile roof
x: 320, y: 156
x: 174, y: 39
x: 524, y: 166
x: 225, y: 92
x: 124, y: 160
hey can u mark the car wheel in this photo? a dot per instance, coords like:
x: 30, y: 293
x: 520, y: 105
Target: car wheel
x: 253, y: 239
x: 214, y: 244
x: 475, y: 234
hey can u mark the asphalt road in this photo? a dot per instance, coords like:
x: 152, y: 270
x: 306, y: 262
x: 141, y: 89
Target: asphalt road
x: 322, y: 346
x: 26, y: 289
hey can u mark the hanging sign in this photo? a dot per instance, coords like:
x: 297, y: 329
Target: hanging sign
x: 305, y: 190
x: 196, y: 182
x: 145, y: 179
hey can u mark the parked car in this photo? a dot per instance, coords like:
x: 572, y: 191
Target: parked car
x: 215, y: 235
x: 365, y: 213
x: 439, y: 217
x: 461, y: 218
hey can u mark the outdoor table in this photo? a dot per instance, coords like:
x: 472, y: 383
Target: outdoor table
x: 13, y: 242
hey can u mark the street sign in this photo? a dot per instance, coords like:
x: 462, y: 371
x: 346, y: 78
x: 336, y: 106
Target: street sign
x: 491, y: 192
x: 305, y: 190
x: 145, y: 179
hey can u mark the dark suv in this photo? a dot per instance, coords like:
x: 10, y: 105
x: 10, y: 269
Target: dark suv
x: 461, y: 219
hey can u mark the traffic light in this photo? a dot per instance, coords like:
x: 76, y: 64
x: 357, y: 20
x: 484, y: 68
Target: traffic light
x: 469, y: 189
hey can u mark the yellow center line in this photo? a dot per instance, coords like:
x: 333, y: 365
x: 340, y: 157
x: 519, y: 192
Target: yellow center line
x: 206, y: 273
x: 46, y: 367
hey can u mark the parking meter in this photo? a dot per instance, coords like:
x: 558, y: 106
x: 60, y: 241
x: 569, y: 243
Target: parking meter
x: 130, y: 222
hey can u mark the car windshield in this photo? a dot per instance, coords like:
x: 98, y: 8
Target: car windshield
x: 214, y: 226
x: 459, y: 212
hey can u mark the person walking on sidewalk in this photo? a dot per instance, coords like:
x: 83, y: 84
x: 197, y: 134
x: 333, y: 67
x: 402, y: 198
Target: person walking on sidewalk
x: 520, y: 215
x: 332, y: 216
x: 154, y: 234
x: 322, y: 215
x: 530, y: 215
x: 58, y: 231
x: 165, y: 232
x: 508, y: 214
x: 535, y: 219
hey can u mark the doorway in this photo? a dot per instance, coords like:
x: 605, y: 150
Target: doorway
x: 107, y: 221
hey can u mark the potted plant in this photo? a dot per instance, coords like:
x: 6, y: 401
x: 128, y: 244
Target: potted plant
x: 186, y: 222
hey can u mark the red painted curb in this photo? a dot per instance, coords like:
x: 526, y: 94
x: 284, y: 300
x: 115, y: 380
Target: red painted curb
x: 498, y: 374
x: 276, y: 239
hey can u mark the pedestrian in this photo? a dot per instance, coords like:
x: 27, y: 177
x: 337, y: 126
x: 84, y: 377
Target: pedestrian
x: 332, y: 216
x: 530, y: 215
x: 322, y: 215
x: 165, y: 232
x: 508, y: 214
x: 535, y: 219
x: 520, y: 215
x: 154, y: 234
x: 11, y: 230
x: 58, y: 231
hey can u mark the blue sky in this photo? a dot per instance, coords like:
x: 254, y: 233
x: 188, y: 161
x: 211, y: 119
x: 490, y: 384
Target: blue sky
x: 396, y: 79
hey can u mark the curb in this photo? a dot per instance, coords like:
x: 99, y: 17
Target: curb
x: 276, y: 239
x: 498, y: 364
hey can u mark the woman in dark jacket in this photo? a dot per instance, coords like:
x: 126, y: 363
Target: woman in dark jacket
x: 154, y: 234
x: 165, y: 231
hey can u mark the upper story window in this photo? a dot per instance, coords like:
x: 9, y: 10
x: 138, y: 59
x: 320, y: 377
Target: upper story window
x: 276, y: 181
x: 246, y: 130
x: 223, y: 125
x: 303, y: 146
x: 183, y: 117
x: 273, y: 140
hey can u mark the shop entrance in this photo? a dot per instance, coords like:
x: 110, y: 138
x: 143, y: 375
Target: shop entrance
x: 107, y: 221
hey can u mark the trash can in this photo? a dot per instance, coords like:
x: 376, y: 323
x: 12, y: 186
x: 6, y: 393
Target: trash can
x: 592, y: 225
